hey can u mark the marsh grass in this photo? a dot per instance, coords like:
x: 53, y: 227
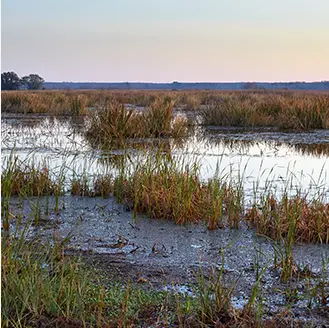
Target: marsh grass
x: 18, y: 178
x: 100, y: 186
x: 307, y: 220
x: 214, y: 296
x: 281, y: 109
x: 78, y: 105
x: 294, y: 111
x: 163, y: 189
x: 227, y: 111
x: 41, y: 286
x: 214, y: 300
x: 38, y: 280
x: 112, y: 124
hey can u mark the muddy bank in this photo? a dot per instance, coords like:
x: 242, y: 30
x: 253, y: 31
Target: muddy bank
x: 159, y: 254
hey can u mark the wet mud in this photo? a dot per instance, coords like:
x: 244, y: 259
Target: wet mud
x: 159, y: 254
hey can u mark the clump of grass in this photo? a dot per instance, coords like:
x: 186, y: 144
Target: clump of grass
x: 39, y: 281
x: 214, y: 296
x: 304, y: 113
x: 78, y: 105
x: 192, y: 101
x: 165, y: 191
x: 113, y: 124
x: 29, y: 180
x: 157, y: 118
x: 42, y: 286
x: 275, y: 218
x: 80, y: 186
x: 102, y: 186
x: 282, y: 110
x: 227, y: 111
x: 215, y: 299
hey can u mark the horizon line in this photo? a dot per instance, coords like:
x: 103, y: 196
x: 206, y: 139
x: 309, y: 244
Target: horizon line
x: 193, y: 82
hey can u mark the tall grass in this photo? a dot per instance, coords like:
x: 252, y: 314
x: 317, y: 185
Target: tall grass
x: 18, y: 178
x: 286, y: 111
x: 112, y: 124
x: 163, y: 189
x: 38, y: 281
x: 43, y: 287
x: 307, y: 220
x: 281, y: 109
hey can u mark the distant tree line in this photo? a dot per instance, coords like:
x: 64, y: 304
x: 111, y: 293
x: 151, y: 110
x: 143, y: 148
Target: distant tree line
x: 11, y: 81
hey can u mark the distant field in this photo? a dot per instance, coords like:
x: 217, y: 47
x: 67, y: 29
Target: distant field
x: 253, y: 108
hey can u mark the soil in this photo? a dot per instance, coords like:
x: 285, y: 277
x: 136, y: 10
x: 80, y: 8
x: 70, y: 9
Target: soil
x: 158, y: 254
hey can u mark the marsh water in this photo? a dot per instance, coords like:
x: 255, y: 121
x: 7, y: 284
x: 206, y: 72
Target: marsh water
x: 260, y: 159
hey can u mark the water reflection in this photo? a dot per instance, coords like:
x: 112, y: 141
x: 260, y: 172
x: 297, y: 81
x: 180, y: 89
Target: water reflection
x: 259, y: 157
x: 314, y: 143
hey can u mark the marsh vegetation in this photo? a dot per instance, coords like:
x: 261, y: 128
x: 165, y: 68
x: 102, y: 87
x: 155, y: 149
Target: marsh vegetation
x: 165, y: 180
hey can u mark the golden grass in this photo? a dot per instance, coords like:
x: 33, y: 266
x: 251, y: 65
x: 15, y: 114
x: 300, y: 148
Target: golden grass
x: 283, y: 109
x: 297, y: 111
x: 308, y: 221
x: 112, y: 124
x: 28, y: 180
x: 165, y: 192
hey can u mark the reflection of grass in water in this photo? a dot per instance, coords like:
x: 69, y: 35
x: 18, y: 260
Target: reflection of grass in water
x: 232, y: 143
x: 312, y: 149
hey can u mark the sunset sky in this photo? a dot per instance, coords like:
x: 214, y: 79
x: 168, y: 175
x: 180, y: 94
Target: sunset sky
x: 165, y: 41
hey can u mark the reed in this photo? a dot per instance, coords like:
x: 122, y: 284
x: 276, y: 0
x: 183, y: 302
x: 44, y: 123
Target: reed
x: 162, y: 189
x: 294, y: 111
x: 307, y: 220
x: 18, y: 178
x: 113, y: 124
x: 280, y: 109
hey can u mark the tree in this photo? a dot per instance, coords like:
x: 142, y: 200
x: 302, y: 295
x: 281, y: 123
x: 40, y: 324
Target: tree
x: 33, y: 81
x: 10, y: 81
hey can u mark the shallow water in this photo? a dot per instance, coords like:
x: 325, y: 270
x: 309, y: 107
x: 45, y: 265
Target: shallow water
x: 261, y: 159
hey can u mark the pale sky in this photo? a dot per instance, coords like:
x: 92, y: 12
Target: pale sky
x: 166, y: 40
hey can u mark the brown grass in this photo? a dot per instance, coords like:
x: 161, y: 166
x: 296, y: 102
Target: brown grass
x: 112, y: 124
x: 308, y: 221
x: 295, y: 111
x: 282, y: 109
x: 172, y: 194
x: 28, y: 180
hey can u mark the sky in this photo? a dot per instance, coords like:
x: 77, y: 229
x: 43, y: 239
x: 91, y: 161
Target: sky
x: 166, y: 40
